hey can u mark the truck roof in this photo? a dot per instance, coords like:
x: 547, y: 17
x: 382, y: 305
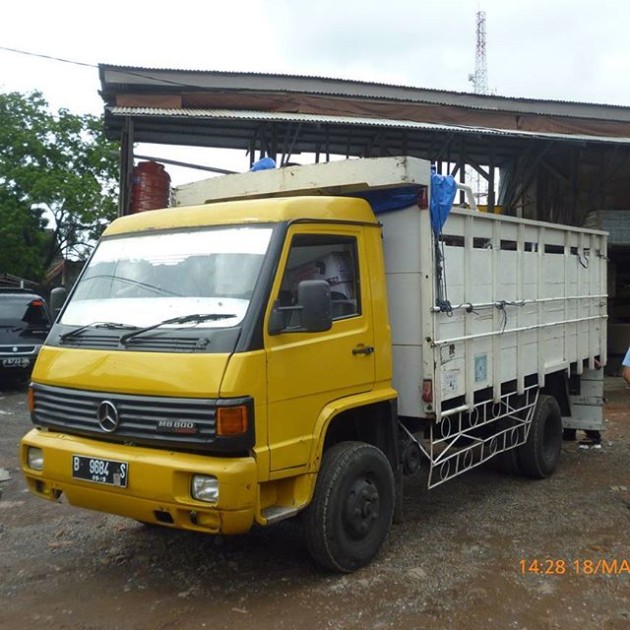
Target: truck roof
x: 327, y: 178
x: 252, y: 211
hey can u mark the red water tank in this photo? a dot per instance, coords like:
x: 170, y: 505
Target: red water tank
x: 150, y: 187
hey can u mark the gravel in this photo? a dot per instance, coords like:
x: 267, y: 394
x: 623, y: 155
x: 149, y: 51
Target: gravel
x: 464, y: 557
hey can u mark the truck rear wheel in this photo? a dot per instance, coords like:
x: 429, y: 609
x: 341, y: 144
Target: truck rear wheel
x: 538, y: 457
x: 352, y: 507
x: 507, y: 462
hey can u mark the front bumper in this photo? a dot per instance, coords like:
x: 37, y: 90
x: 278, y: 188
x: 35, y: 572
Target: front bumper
x: 158, y: 487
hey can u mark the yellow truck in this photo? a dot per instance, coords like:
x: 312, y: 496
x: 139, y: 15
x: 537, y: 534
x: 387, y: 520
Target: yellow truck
x: 300, y: 339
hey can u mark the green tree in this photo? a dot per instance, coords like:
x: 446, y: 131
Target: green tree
x: 58, y: 184
x: 23, y: 238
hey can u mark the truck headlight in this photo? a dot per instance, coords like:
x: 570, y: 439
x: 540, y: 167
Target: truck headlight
x: 205, y: 488
x: 35, y: 458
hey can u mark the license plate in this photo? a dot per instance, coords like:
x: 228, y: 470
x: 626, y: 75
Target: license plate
x: 15, y: 362
x: 107, y: 471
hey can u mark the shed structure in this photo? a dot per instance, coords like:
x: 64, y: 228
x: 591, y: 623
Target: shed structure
x: 558, y: 161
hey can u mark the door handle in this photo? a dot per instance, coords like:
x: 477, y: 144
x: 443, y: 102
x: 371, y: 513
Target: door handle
x: 363, y: 350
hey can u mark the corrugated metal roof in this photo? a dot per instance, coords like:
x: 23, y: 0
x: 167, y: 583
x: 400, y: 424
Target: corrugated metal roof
x: 289, y: 117
x: 204, y: 79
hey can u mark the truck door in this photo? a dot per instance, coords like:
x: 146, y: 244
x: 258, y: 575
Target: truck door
x: 307, y: 370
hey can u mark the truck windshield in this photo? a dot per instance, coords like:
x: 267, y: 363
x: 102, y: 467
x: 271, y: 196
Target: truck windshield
x: 138, y: 280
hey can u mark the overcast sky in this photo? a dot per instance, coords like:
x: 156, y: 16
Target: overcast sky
x: 575, y: 50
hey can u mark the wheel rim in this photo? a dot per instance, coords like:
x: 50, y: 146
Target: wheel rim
x: 362, y: 508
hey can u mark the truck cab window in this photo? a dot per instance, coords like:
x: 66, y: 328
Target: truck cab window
x: 324, y: 257
x: 142, y: 278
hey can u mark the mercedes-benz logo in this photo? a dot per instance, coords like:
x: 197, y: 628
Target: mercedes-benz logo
x: 107, y: 416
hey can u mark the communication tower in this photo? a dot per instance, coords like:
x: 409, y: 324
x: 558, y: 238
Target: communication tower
x: 480, y: 86
x: 480, y: 77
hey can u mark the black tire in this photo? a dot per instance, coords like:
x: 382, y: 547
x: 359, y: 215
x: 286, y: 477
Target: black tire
x: 538, y: 457
x: 507, y: 462
x: 352, y: 507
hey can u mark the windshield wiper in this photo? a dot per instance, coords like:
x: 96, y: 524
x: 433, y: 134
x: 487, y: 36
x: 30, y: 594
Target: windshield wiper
x: 196, y: 318
x: 80, y: 329
x: 133, y: 281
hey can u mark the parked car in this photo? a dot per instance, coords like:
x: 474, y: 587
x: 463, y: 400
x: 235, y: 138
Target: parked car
x: 24, y: 323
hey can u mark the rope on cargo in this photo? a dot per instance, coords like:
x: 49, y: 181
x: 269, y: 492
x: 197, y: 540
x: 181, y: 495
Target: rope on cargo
x: 442, y: 303
x: 504, y: 316
x: 469, y: 307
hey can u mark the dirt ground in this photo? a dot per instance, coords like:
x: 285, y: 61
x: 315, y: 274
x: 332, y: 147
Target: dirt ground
x: 464, y: 557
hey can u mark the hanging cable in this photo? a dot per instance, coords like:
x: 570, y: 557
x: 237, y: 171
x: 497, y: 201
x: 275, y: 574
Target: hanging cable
x: 134, y: 73
x: 504, y: 316
x: 49, y: 57
x: 442, y: 301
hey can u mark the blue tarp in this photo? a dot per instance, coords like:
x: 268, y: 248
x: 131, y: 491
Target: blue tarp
x: 263, y: 164
x: 443, y: 190
x: 389, y: 199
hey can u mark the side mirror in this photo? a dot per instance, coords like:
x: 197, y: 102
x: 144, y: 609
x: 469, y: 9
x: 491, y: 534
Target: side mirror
x: 58, y: 298
x: 313, y: 311
x: 314, y: 298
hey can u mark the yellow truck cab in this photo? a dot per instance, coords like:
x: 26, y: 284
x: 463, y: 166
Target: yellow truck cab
x: 172, y: 424
x: 232, y: 363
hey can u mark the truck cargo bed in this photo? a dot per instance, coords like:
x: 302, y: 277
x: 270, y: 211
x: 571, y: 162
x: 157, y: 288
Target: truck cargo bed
x: 519, y: 299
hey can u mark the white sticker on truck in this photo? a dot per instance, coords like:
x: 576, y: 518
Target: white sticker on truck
x: 449, y: 381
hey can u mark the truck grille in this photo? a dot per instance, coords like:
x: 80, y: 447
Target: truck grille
x: 17, y: 349
x: 147, y: 344
x: 152, y: 420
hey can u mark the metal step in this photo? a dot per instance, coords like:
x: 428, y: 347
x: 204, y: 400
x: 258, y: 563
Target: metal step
x: 275, y: 513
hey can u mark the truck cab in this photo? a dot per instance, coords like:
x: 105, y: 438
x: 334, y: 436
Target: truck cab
x: 201, y: 361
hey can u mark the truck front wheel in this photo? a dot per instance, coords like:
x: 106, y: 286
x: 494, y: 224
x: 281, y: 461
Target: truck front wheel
x: 352, y: 507
x: 538, y: 457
